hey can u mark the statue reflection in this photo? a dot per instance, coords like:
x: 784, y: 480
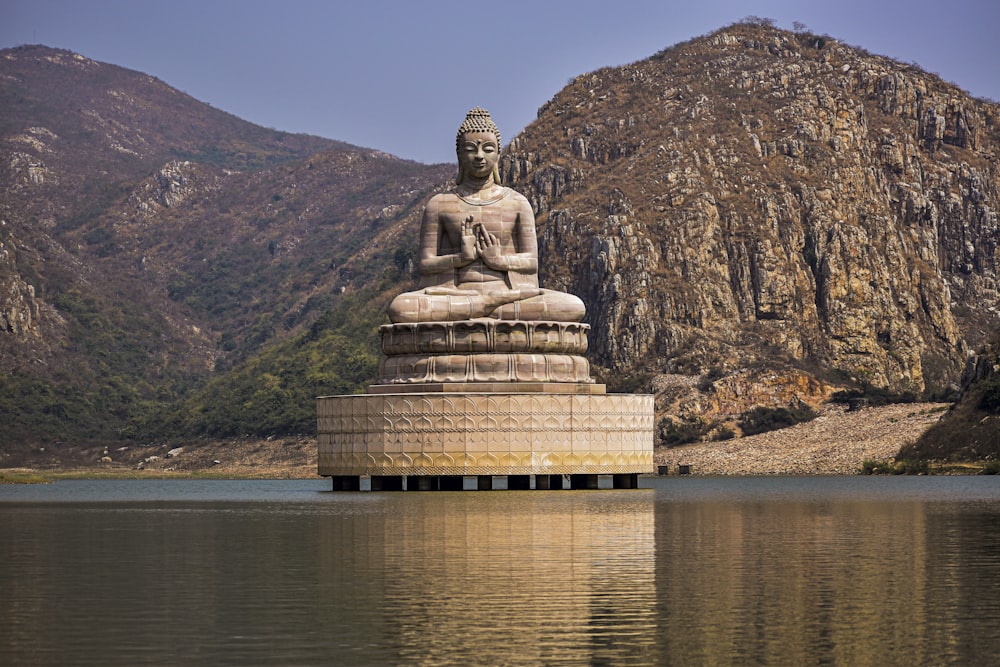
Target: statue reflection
x: 512, y: 578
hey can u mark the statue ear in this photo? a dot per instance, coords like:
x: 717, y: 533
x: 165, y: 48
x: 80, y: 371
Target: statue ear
x: 496, y: 174
x: 461, y: 175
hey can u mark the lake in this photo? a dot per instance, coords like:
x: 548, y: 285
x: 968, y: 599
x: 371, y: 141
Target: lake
x: 687, y: 571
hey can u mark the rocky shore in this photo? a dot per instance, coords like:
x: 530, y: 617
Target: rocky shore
x: 835, y: 443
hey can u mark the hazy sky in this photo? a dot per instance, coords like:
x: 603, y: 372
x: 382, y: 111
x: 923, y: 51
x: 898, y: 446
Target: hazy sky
x: 400, y: 75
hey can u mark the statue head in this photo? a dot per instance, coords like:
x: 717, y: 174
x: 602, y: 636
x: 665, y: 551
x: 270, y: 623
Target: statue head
x: 473, y: 134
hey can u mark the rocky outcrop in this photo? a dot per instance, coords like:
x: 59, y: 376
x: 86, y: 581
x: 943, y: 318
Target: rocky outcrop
x: 758, y: 198
x: 31, y: 330
x: 168, y: 187
x: 19, y: 311
x: 983, y: 365
x: 970, y: 430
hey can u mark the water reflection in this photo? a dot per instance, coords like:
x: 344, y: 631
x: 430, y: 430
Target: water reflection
x: 695, y: 571
x: 820, y: 582
x: 527, y: 578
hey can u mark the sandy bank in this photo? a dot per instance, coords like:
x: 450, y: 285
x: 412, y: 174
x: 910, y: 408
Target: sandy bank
x: 835, y: 443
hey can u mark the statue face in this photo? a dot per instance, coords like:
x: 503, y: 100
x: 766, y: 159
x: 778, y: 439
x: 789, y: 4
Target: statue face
x: 478, y: 153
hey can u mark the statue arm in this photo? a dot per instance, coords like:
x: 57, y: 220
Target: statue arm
x: 518, y: 262
x: 431, y: 230
x: 525, y: 260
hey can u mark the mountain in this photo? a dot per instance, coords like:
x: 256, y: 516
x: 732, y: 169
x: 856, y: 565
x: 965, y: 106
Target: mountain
x: 756, y: 218
x: 757, y: 203
x: 147, y: 239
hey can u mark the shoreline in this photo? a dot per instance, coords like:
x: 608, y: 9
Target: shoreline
x: 289, y: 457
x: 837, y: 442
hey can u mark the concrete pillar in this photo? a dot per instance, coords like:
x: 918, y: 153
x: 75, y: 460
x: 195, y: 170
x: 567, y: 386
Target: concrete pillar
x: 387, y: 483
x: 551, y: 482
x: 626, y: 481
x: 519, y: 482
x: 422, y: 483
x: 451, y: 483
x: 345, y: 483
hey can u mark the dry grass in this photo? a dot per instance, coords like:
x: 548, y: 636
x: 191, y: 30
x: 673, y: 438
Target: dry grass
x: 279, y: 458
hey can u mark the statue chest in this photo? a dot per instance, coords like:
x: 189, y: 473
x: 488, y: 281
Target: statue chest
x: 496, y: 220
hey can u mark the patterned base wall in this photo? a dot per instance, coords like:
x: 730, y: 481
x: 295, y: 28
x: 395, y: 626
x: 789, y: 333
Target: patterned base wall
x: 485, y: 434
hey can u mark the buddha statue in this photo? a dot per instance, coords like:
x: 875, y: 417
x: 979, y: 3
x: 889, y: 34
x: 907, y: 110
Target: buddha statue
x: 478, y: 250
x: 479, y: 315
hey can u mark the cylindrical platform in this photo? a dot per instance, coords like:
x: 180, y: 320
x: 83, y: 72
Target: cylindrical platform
x: 484, y: 434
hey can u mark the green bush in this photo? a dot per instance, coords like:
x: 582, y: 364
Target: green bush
x: 707, y: 381
x: 762, y: 420
x: 990, y: 400
x: 273, y: 392
x: 903, y: 467
x: 681, y: 433
x: 629, y: 383
x: 723, y: 433
x: 874, y: 396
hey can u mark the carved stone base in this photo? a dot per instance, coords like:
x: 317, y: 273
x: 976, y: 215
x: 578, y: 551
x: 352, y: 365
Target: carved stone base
x: 491, y: 367
x: 484, y: 350
x: 484, y: 335
x: 425, y: 434
x: 490, y: 388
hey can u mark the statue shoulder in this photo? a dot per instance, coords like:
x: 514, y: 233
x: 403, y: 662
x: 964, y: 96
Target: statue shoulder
x: 447, y: 195
x: 517, y: 196
x: 519, y: 200
x: 442, y: 199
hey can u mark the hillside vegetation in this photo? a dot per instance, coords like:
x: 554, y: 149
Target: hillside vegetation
x: 151, y: 243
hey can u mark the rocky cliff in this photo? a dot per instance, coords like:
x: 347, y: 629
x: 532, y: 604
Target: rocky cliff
x: 760, y: 197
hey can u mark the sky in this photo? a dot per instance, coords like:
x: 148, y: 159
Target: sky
x: 398, y: 76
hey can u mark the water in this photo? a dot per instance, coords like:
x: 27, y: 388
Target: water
x: 740, y: 571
